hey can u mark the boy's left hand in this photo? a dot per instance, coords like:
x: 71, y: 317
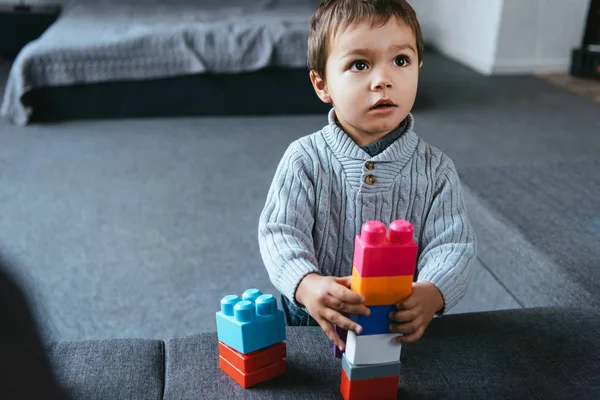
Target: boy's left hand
x: 416, y: 312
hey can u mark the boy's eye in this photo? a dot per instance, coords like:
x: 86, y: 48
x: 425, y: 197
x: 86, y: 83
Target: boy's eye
x: 401, y: 61
x: 359, y: 65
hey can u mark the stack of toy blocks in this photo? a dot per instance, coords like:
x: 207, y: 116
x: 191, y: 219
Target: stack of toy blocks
x: 251, y: 332
x: 383, y: 270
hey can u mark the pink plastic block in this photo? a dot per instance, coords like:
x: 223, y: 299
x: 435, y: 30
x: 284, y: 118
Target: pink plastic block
x: 378, y: 252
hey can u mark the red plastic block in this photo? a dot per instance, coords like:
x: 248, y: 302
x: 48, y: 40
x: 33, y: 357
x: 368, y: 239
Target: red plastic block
x: 368, y: 389
x: 254, y: 378
x: 253, y: 361
x: 380, y: 253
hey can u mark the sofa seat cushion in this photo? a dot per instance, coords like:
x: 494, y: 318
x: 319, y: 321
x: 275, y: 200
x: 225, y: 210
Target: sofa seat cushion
x: 110, y: 369
x: 192, y: 370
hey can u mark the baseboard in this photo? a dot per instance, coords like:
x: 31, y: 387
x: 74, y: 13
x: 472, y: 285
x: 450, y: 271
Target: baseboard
x: 506, y: 67
x: 530, y: 66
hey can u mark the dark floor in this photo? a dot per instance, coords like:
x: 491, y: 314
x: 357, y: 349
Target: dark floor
x: 136, y: 228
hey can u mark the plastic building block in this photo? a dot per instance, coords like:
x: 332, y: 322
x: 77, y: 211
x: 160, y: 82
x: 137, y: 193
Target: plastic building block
x: 343, y: 334
x: 372, y: 349
x: 380, y: 291
x: 256, y: 360
x: 379, y: 253
x: 247, y: 380
x: 369, y: 389
x: 371, y: 371
x: 378, y: 322
x: 250, y: 323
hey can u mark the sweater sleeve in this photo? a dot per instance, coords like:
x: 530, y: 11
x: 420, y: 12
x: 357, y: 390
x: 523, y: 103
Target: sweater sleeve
x: 286, y: 223
x: 448, y: 243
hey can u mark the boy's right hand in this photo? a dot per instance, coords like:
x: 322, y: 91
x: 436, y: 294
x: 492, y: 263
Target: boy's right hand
x: 326, y: 298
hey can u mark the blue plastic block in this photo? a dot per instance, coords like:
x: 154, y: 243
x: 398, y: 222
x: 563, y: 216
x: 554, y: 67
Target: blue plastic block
x: 378, y: 322
x: 250, y: 323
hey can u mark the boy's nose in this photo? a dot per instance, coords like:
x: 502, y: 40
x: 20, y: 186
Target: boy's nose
x: 381, y: 83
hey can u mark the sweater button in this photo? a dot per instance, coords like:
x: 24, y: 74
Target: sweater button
x: 370, y: 165
x: 370, y: 180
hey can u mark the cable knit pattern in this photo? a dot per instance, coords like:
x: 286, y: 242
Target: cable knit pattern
x: 320, y: 197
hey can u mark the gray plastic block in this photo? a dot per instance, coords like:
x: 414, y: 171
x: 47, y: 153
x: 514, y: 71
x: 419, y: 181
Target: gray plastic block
x: 371, y: 371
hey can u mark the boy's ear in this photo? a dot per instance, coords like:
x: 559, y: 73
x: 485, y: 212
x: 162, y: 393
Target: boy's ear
x: 320, y: 87
x: 421, y: 64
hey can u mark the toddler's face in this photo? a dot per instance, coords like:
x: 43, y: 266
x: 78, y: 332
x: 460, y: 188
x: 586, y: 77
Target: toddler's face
x: 366, y: 66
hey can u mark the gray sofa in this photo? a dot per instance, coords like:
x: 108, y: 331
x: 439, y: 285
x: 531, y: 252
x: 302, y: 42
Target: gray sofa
x: 104, y: 369
x: 549, y: 353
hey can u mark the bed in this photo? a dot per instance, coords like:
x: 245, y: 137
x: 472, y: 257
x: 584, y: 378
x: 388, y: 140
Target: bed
x: 131, y: 58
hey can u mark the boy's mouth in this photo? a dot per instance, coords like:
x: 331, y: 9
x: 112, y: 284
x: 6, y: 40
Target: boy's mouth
x: 383, y: 103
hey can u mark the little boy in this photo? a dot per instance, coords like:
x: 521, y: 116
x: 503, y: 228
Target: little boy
x: 366, y: 164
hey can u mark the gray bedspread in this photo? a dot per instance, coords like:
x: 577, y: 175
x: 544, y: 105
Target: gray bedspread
x: 144, y: 39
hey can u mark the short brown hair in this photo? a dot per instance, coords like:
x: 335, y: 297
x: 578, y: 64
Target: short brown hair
x: 333, y: 15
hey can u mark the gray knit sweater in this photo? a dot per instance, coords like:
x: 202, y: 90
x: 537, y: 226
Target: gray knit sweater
x: 323, y: 191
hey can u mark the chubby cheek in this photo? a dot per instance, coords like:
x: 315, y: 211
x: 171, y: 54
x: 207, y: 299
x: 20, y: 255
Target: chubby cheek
x: 350, y: 105
x: 407, y: 92
x: 350, y: 92
x: 345, y: 84
x: 344, y: 97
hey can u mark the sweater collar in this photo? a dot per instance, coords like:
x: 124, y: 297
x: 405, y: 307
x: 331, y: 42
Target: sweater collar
x: 342, y: 144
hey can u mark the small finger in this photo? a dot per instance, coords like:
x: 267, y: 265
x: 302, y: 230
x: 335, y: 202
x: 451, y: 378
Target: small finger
x: 339, y: 305
x: 331, y: 333
x: 407, y: 328
x: 343, y: 322
x: 345, y: 280
x: 412, y: 337
x: 403, y: 316
x: 358, y: 310
x: 408, y: 302
x: 346, y: 295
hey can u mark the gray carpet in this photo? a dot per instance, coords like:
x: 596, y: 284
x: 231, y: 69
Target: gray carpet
x: 554, y: 207
x: 136, y: 228
x: 506, y: 120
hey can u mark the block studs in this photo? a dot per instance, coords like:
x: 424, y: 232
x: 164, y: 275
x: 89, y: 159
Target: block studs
x: 373, y: 232
x: 251, y: 295
x: 266, y: 304
x: 244, y: 311
x: 400, y: 232
x: 228, y: 302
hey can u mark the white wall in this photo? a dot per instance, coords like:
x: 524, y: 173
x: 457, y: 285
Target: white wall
x: 464, y: 30
x: 505, y: 36
x: 539, y: 35
x: 426, y: 13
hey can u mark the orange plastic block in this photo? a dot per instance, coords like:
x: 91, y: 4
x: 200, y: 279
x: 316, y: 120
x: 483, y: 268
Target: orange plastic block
x: 369, y: 389
x: 253, y: 378
x: 253, y: 361
x: 378, y: 252
x: 382, y: 291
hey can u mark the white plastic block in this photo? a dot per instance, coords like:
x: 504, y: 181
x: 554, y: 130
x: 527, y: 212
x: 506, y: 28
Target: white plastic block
x: 372, y: 349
